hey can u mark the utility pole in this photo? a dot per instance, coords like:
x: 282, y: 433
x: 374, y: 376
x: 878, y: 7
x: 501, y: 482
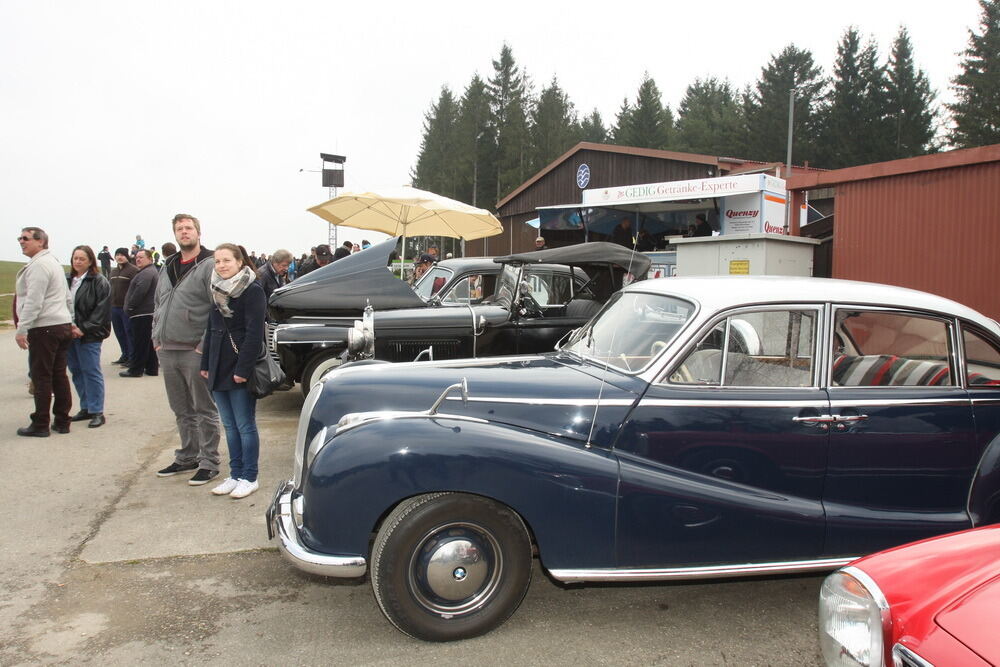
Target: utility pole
x: 788, y: 160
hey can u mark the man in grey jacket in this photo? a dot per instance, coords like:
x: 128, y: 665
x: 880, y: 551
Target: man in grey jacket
x: 182, y: 304
x: 44, y: 327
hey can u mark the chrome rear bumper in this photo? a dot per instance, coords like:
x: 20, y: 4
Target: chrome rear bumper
x: 281, y: 524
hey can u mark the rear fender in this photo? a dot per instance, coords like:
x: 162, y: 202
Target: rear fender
x: 984, y: 494
x: 564, y: 491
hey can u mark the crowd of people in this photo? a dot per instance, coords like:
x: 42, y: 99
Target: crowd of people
x: 193, y: 315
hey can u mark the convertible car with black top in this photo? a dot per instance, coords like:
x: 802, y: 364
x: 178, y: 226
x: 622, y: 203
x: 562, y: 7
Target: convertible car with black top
x: 696, y: 427
x: 356, y: 308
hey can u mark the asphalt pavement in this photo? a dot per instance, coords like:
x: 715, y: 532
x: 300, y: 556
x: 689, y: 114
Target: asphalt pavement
x: 103, y: 562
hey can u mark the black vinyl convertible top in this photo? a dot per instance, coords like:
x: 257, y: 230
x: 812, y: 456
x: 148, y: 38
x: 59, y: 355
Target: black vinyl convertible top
x: 582, y: 254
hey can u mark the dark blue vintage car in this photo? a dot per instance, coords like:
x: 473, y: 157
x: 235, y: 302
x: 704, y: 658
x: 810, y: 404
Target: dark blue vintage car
x: 696, y: 427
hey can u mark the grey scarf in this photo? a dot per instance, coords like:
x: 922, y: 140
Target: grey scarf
x: 224, y: 289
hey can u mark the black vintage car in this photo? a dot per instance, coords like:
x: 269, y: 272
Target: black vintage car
x: 462, y: 308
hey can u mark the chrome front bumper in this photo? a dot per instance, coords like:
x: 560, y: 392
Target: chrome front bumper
x: 281, y: 524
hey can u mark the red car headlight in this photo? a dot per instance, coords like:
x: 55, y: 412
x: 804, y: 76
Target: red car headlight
x: 854, y: 620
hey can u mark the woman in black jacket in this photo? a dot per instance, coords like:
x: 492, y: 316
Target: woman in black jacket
x: 230, y: 349
x: 90, y: 294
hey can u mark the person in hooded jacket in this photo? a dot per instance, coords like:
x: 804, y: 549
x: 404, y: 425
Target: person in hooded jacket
x: 90, y: 293
x: 230, y: 348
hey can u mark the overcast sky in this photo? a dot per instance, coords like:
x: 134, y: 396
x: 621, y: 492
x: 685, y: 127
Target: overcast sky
x: 114, y: 115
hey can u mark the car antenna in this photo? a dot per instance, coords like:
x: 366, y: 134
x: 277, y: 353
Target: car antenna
x: 600, y: 390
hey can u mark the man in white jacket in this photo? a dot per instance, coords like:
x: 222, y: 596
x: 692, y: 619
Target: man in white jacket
x: 44, y: 328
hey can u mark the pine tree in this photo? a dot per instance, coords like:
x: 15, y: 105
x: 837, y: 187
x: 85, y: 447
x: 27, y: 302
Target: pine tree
x: 592, y: 128
x: 436, y: 170
x: 909, y: 101
x: 976, y: 111
x: 648, y: 124
x: 766, y: 107
x: 475, y: 145
x: 710, y: 119
x: 510, y: 104
x: 622, y: 128
x: 553, y: 125
x: 855, y: 130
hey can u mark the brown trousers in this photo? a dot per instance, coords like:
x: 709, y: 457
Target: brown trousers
x: 47, y: 348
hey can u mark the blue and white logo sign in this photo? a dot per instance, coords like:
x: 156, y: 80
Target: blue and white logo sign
x: 583, y: 176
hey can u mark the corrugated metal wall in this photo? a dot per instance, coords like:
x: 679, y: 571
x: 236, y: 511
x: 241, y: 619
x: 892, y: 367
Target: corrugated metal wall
x: 937, y: 231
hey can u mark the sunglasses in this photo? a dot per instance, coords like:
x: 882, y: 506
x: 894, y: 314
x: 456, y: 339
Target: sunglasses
x: 25, y: 238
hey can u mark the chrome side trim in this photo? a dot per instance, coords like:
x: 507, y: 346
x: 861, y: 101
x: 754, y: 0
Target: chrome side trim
x: 356, y: 419
x: 291, y: 547
x: 890, y: 402
x: 720, y: 403
x: 528, y: 400
x: 699, y: 572
x: 986, y: 401
x: 904, y: 656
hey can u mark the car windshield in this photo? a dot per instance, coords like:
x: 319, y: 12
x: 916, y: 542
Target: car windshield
x: 631, y: 330
x: 431, y: 282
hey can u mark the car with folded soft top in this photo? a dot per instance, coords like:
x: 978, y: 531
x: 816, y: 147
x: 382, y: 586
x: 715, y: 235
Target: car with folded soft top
x: 355, y: 308
x: 693, y: 428
x: 933, y: 602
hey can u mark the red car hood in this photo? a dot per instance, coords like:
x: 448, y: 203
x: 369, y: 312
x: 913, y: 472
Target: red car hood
x: 974, y: 619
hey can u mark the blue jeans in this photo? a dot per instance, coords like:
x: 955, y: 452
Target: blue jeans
x: 119, y: 320
x: 84, y: 362
x: 238, y: 412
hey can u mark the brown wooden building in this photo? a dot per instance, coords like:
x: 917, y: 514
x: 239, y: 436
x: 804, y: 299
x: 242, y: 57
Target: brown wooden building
x: 930, y: 223
x: 608, y: 166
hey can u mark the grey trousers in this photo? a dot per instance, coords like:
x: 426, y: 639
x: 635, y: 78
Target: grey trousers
x: 191, y: 401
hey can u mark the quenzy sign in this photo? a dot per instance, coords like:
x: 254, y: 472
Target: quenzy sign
x: 761, y: 212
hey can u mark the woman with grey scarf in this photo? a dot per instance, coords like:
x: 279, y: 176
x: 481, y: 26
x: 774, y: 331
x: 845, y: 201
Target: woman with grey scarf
x: 230, y: 349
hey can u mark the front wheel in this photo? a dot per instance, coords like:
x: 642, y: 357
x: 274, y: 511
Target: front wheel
x: 449, y: 566
x: 317, y: 367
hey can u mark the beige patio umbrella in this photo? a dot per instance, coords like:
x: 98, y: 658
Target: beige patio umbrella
x: 405, y: 211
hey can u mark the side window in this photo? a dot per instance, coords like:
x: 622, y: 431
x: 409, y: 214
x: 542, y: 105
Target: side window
x: 549, y: 289
x: 469, y: 289
x: 881, y: 349
x: 982, y: 361
x: 771, y: 348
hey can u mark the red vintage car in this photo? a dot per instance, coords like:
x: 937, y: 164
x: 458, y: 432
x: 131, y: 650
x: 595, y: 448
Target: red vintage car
x: 933, y: 602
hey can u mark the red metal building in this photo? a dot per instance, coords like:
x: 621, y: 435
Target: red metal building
x: 930, y: 222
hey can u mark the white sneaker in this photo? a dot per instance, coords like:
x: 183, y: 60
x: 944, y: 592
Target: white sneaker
x: 226, y: 487
x: 243, y: 489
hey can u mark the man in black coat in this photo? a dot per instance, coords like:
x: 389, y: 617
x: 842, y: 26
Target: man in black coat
x: 105, y: 258
x: 272, y: 274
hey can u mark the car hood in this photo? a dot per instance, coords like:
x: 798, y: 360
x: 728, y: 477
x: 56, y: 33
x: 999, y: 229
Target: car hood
x: 552, y: 394
x: 345, y: 287
x: 973, y: 620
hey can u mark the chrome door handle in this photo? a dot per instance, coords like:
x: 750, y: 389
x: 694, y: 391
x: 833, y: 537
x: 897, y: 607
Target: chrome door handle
x: 817, y: 419
x: 849, y: 418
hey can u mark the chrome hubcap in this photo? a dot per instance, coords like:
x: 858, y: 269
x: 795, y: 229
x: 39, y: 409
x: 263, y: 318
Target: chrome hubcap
x: 455, y: 569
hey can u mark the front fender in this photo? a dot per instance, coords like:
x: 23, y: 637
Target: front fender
x: 564, y: 491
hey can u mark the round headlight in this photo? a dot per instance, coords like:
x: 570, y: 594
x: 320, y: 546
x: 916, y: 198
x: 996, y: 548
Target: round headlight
x: 853, y: 620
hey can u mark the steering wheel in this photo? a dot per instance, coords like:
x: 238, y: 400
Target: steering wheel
x: 529, y: 306
x: 657, y: 347
x: 682, y: 374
